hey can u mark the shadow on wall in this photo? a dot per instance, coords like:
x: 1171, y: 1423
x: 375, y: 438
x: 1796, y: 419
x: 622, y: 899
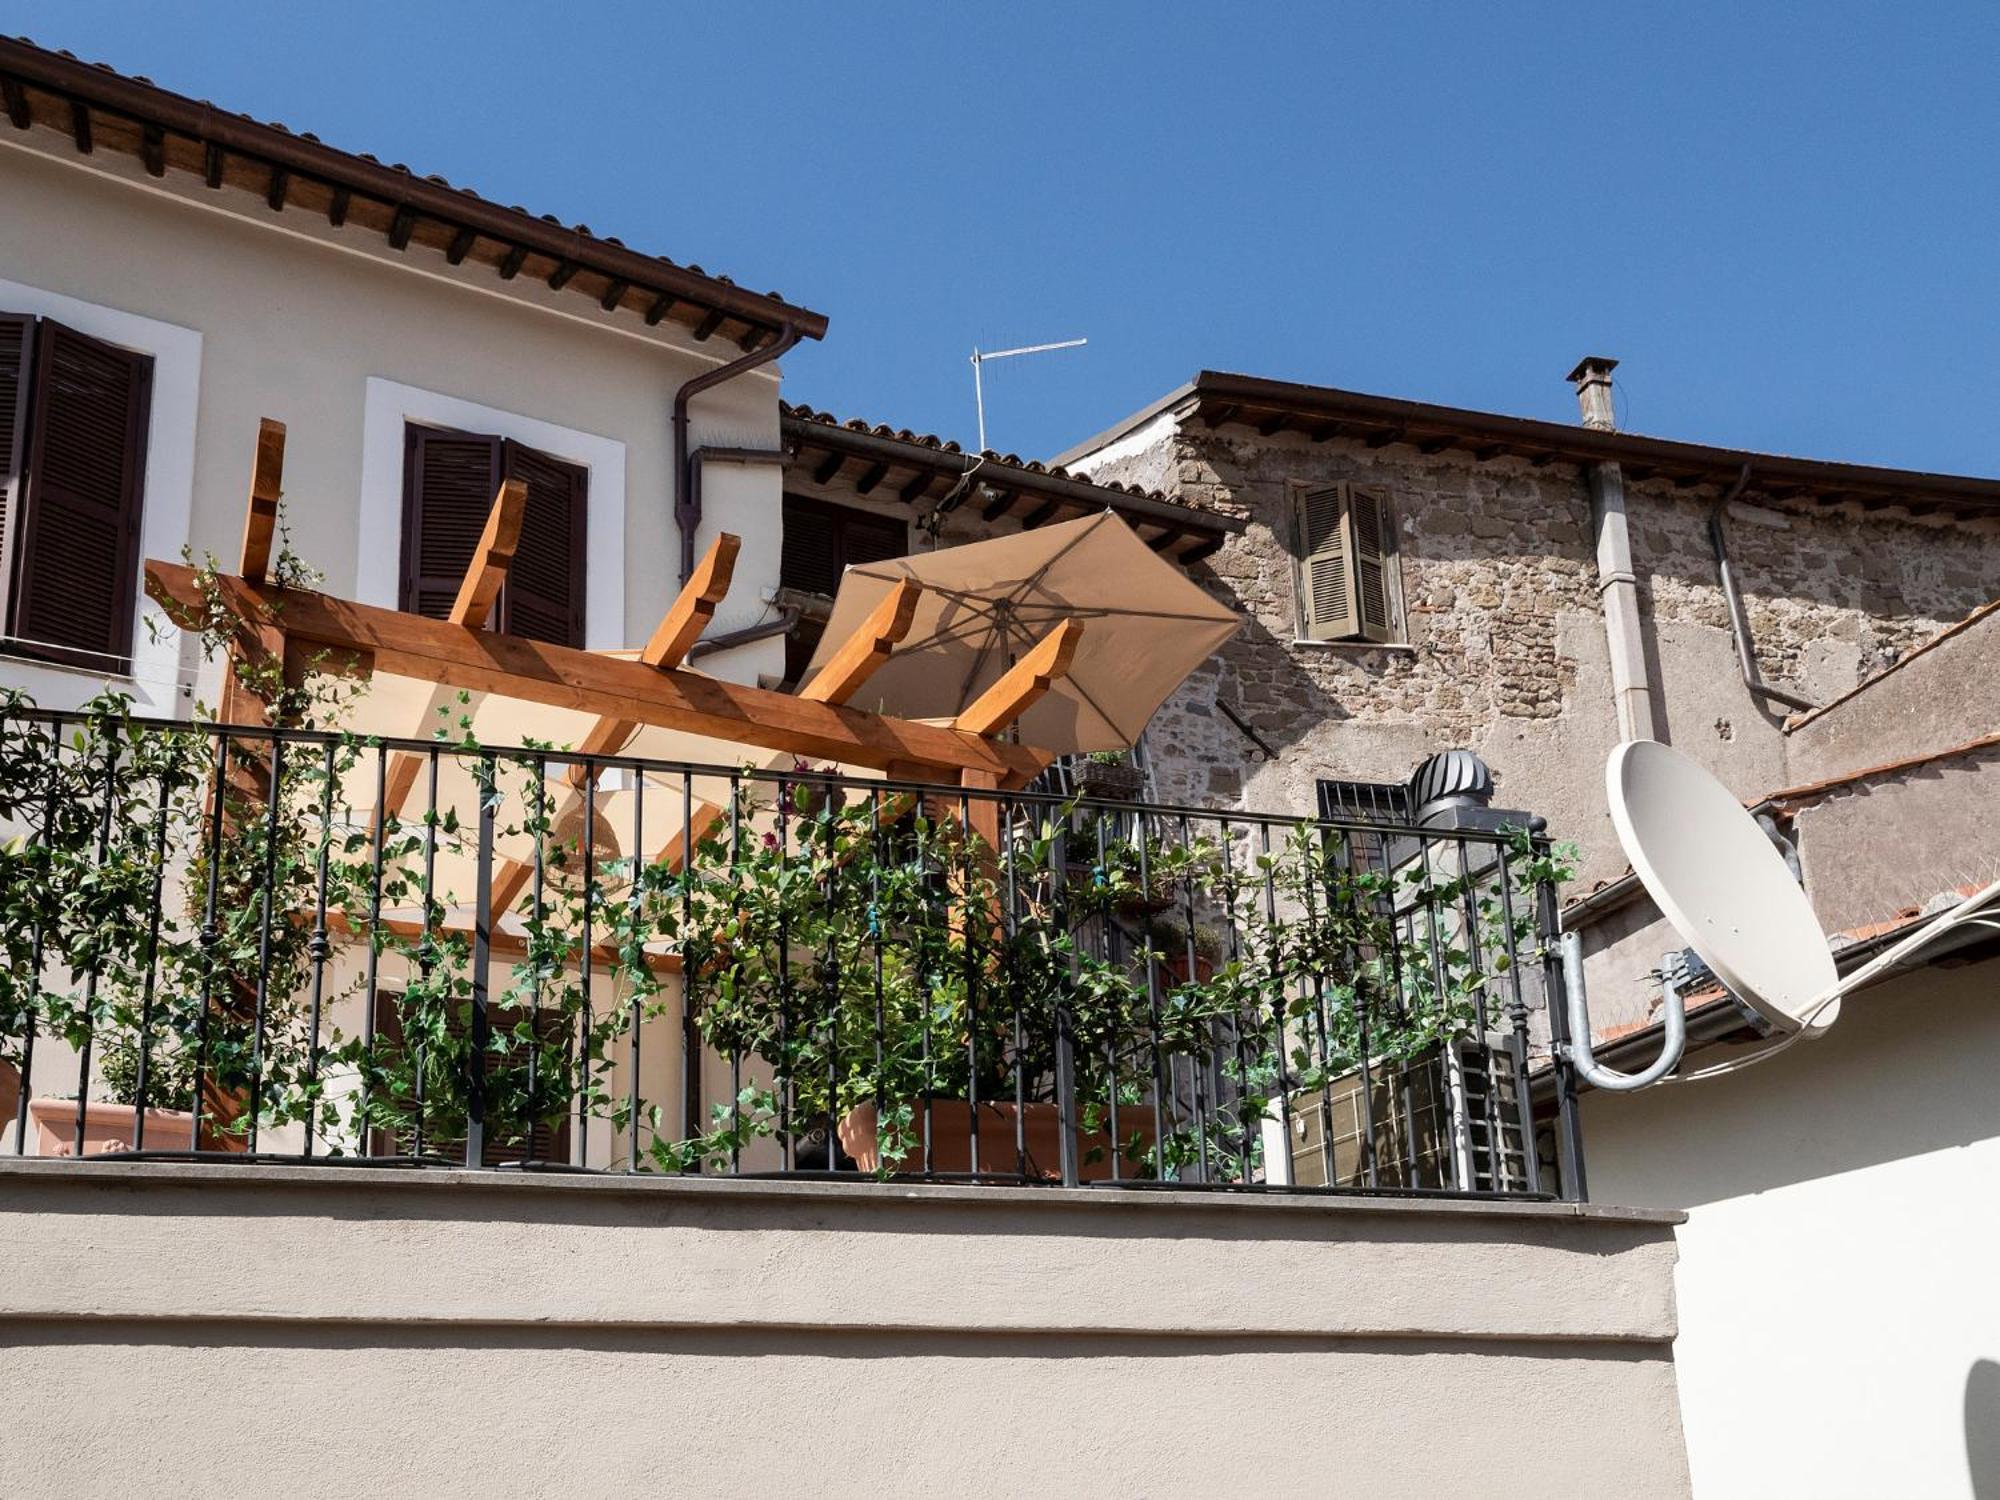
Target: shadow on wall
x: 1982, y: 1428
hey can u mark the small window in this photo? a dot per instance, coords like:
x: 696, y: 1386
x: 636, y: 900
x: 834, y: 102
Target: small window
x: 73, y: 418
x: 1344, y: 541
x: 821, y: 542
x: 449, y: 481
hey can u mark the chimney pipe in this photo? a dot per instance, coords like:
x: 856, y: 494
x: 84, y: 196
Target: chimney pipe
x: 1617, y: 585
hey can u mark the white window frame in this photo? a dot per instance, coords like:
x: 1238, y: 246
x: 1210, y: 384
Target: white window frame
x: 156, y: 680
x: 389, y: 405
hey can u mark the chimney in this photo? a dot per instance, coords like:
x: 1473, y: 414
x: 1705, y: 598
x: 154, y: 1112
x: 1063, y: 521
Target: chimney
x: 1592, y: 379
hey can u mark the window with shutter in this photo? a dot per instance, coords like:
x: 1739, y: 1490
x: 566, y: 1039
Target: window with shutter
x: 1345, y: 542
x: 17, y: 342
x: 822, y: 541
x: 74, y: 494
x: 449, y: 481
x: 506, y: 1140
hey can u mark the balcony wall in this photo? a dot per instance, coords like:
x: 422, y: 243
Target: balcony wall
x: 350, y: 1331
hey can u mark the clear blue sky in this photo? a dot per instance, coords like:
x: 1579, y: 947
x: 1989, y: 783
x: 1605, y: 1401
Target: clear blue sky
x: 1783, y: 218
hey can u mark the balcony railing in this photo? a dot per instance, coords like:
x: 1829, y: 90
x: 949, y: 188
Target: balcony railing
x: 236, y: 943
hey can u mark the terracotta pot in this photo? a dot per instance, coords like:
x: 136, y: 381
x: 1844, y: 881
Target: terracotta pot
x: 951, y: 1141
x: 108, y: 1129
x: 1177, y: 965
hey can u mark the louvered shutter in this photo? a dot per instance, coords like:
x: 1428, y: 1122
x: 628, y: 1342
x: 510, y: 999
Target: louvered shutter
x: 446, y: 1138
x: 1327, y: 610
x: 1369, y: 548
x: 810, y: 558
x: 17, y: 342
x: 76, y: 563
x: 868, y: 539
x: 449, y: 481
x: 543, y: 597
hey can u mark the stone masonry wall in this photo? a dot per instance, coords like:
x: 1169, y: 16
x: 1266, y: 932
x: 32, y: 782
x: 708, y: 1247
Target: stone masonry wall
x: 1505, y: 648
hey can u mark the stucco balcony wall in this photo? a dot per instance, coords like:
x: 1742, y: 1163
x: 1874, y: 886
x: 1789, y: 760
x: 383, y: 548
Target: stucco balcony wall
x: 343, y: 1331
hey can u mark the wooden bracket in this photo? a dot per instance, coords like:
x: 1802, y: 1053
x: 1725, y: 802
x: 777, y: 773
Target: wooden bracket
x: 868, y: 647
x: 690, y: 613
x: 1024, y: 683
x: 267, y: 480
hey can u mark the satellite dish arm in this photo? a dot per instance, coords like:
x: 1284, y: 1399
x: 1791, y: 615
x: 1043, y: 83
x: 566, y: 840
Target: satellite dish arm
x: 1584, y: 1060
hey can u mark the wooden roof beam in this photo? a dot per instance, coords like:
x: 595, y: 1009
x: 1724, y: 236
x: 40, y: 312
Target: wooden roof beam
x: 1024, y: 683
x: 17, y: 103
x: 365, y: 638
x: 267, y: 480
x: 336, y: 206
x: 1000, y: 505
x: 707, y: 326
x: 918, y: 487
x: 681, y: 626
x: 79, y: 125
x: 829, y: 466
x: 460, y: 246
x: 871, y: 476
x: 401, y: 225
x: 153, y: 150
x: 868, y: 647
x: 512, y: 261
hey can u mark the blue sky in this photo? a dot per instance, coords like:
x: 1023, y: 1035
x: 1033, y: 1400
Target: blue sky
x: 1782, y: 218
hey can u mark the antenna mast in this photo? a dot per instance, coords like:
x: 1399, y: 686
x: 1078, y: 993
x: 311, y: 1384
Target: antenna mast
x: 979, y: 387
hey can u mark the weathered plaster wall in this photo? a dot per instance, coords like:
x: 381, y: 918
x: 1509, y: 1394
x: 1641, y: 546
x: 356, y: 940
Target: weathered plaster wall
x: 1506, y: 652
x: 346, y: 1332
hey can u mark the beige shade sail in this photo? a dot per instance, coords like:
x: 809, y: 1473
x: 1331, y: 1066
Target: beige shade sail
x: 1146, y: 626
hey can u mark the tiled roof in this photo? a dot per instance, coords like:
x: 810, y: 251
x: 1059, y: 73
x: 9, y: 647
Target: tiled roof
x: 105, y: 109
x: 947, y: 445
x: 1031, y: 493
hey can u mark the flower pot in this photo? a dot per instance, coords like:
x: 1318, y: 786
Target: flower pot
x: 108, y: 1129
x: 1176, y: 964
x: 1108, y: 781
x: 951, y: 1141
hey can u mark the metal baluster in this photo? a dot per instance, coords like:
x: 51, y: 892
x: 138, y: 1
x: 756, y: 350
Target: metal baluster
x: 1245, y: 1161
x: 1010, y: 811
x: 482, y: 960
x: 736, y: 1049
x: 370, y: 990
x: 211, y: 936
x: 1068, y: 1126
x: 635, y: 944
x: 1329, y: 1167
x: 1204, y: 1101
x: 690, y: 1036
x: 970, y: 944
x: 1475, y: 956
x: 1110, y: 950
x: 1569, y: 1125
x: 1161, y: 1115
x: 272, y: 813
x: 538, y: 955
x: 90, y: 975
x: 152, y: 959
x: 1277, y: 1004
x: 1517, y: 1015
x: 427, y: 948
x: 783, y: 1061
x: 878, y: 838
x: 586, y: 1061
x: 318, y: 949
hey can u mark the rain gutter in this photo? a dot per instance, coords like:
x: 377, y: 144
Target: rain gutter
x: 687, y: 495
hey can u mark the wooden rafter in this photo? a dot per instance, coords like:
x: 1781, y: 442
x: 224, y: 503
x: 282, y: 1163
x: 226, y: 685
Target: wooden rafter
x: 868, y: 647
x: 1024, y: 683
x: 362, y: 638
x: 477, y: 593
x: 267, y: 483
x: 681, y: 626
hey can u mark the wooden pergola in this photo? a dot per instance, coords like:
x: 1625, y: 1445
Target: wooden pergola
x: 273, y: 628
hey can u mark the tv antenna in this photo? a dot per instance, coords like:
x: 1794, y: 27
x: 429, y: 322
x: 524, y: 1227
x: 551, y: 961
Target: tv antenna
x: 1725, y: 888
x: 978, y: 386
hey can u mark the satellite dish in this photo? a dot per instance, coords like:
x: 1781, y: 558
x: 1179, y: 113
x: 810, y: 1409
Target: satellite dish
x: 1728, y: 893
x: 1720, y: 881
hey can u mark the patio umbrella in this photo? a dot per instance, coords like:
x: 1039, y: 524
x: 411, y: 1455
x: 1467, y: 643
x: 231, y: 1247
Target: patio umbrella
x: 1145, y: 627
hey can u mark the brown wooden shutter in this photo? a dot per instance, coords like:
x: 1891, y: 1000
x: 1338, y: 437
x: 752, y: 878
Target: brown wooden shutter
x: 1327, y: 610
x: 76, y: 563
x: 17, y: 342
x: 1370, y: 545
x: 550, y: 1142
x: 449, y: 481
x: 821, y: 542
x: 544, y: 595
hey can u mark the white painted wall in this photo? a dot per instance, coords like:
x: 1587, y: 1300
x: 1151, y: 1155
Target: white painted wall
x: 1839, y: 1281
x: 253, y: 313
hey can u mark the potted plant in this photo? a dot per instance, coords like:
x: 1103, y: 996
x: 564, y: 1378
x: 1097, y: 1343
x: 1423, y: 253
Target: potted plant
x: 1108, y: 776
x: 111, y: 1126
x: 1174, y: 939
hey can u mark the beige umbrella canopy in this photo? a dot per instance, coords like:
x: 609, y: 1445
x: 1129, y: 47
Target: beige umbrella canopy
x: 984, y: 604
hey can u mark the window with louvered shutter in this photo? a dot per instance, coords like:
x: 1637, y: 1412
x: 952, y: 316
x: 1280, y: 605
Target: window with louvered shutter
x: 449, y: 483
x: 506, y: 1141
x: 1345, y: 545
x: 821, y: 542
x: 17, y: 342
x: 74, y: 584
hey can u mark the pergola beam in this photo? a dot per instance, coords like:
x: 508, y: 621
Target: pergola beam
x: 681, y: 626
x: 267, y: 482
x: 1024, y: 683
x: 868, y: 647
x: 369, y: 638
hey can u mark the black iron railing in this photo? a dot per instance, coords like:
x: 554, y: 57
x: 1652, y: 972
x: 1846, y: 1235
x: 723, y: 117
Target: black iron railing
x: 240, y: 943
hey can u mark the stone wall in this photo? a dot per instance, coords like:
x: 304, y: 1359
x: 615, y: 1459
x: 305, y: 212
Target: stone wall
x: 1505, y: 648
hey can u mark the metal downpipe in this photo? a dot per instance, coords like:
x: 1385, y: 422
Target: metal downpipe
x: 1739, y: 620
x: 687, y: 504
